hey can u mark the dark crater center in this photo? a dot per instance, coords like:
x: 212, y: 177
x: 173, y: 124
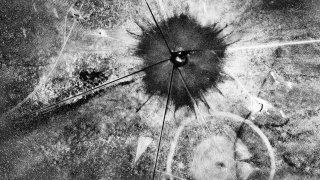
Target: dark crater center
x: 198, y: 51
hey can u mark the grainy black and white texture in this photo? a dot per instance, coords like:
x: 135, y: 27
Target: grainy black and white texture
x: 204, y: 68
x: 53, y: 50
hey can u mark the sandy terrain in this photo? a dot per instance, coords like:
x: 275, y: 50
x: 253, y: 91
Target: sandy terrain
x: 270, y: 77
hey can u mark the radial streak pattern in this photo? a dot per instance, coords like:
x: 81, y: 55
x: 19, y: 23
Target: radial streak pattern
x: 93, y: 138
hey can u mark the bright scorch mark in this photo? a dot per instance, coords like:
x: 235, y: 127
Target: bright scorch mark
x: 271, y: 45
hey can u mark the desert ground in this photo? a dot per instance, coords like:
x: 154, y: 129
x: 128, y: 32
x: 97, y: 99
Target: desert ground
x: 75, y: 105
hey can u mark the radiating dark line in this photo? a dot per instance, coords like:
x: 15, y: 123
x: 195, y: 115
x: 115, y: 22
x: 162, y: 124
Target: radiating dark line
x: 205, y: 101
x: 158, y: 27
x: 143, y: 104
x: 194, y: 101
x: 163, y: 121
x: 134, y: 34
x: 95, y: 88
x: 188, y: 91
x: 187, y: 88
x: 219, y: 91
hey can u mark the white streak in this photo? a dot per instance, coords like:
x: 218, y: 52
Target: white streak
x: 272, y: 45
